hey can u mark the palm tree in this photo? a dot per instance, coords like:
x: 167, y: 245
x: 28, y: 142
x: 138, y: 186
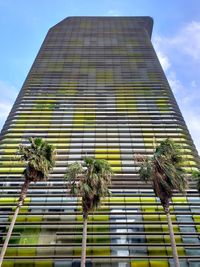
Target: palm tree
x: 165, y: 173
x: 196, y: 174
x: 90, y: 181
x: 39, y: 158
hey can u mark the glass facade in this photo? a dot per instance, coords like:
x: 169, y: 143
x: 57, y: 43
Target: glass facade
x: 96, y: 88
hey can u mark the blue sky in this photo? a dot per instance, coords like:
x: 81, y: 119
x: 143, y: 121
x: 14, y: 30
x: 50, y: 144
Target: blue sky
x: 176, y: 37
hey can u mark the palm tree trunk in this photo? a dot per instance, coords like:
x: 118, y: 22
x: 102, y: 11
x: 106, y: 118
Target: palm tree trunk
x: 9, y: 233
x: 84, y: 241
x: 172, y: 239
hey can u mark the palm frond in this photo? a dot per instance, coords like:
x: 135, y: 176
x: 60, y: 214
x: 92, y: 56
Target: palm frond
x: 145, y: 170
x: 92, y: 179
x: 164, y: 170
x: 196, y: 175
x: 39, y: 157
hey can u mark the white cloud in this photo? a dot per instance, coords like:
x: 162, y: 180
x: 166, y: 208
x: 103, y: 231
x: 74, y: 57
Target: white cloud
x: 188, y: 40
x: 194, y: 84
x: 164, y: 60
x: 5, y: 108
x: 113, y: 12
x: 166, y: 64
x: 192, y: 120
x: 7, y: 90
x: 174, y: 82
x: 8, y: 95
x: 180, y: 50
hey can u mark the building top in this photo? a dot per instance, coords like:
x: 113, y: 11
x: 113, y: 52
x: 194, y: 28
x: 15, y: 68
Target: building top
x: 98, y: 22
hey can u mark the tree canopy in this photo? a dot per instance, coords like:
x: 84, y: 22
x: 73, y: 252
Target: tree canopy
x: 164, y: 171
x: 89, y: 180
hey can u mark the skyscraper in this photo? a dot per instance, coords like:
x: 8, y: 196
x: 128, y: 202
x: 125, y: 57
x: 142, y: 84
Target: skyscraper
x: 96, y: 88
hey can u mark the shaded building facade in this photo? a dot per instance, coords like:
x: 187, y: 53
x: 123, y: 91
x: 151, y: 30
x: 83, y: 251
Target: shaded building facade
x: 96, y: 88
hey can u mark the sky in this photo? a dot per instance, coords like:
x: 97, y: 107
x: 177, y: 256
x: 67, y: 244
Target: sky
x: 176, y: 38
